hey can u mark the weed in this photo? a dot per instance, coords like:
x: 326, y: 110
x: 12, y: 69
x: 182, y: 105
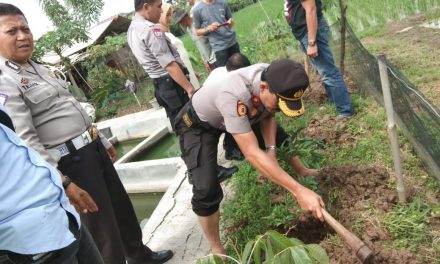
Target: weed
x: 408, y: 224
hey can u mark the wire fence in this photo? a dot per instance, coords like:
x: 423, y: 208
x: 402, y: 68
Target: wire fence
x: 418, y: 119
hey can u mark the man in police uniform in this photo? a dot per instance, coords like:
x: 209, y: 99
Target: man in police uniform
x: 238, y: 61
x: 52, y: 122
x: 232, y: 103
x: 159, y: 57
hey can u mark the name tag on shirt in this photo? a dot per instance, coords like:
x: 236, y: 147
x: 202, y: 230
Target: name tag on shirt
x: 63, y: 149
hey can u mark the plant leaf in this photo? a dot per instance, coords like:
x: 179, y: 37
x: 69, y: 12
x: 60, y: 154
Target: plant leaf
x: 247, y: 251
x: 296, y: 242
x: 300, y: 256
x: 317, y: 253
x: 279, y: 241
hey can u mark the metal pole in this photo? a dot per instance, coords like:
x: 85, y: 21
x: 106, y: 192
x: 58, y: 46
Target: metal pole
x: 392, y: 131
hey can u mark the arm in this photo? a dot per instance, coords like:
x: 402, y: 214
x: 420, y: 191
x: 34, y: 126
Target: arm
x: 22, y: 118
x: 228, y: 16
x: 307, y: 199
x: 268, y: 128
x: 312, y: 25
x: 198, y: 24
x: 79, y: 198
x: 176, y: 73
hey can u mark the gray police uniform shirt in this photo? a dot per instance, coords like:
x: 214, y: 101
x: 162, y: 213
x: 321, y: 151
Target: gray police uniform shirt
x: 44, y: 112
x: 151, y: 47
x: 218, y: 11
x: 218, y: 101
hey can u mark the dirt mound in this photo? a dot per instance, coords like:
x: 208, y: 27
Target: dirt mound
x: 348, y: 191
x: 333, y: 129
x: 355, y: 187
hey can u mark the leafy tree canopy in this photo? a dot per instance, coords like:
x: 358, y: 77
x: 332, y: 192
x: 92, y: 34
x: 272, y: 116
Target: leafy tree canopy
x: 71, y: 19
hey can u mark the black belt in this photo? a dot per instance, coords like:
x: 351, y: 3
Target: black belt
x: 167, y: 76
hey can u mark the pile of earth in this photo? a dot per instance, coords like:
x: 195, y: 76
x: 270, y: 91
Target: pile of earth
x: 349, y: 192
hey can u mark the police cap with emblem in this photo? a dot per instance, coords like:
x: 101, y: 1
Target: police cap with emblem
x: 288, y: 80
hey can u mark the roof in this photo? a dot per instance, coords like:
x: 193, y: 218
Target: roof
x: 112, y: 25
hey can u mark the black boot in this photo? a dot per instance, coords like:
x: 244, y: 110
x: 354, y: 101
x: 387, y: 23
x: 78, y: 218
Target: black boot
x: 159, y: 257
x: 225, y: 173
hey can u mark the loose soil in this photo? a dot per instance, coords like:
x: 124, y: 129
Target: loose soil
x: 359, y: 189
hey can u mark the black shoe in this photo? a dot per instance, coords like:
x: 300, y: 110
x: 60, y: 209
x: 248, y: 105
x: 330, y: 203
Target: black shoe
x: 160, y: 257
x: 234, y: 154
x: 225, y: 173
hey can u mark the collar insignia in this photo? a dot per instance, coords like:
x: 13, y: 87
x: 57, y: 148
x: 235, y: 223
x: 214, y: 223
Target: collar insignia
x: 24, y: 81
x: 10, y: 64
x: 242, y: 109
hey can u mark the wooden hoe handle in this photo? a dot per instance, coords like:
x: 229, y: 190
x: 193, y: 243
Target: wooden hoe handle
x: 364, y: 253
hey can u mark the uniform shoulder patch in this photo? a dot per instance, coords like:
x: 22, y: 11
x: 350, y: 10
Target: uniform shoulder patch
x: 242, y: 109
x: 157, y: 32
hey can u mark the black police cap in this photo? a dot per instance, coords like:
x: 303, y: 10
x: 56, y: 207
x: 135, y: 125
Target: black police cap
x: 288, y: 80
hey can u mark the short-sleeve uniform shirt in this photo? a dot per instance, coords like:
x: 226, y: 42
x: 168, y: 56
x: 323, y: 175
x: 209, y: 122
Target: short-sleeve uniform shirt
x: 151, y: 46
x: 225, y: 100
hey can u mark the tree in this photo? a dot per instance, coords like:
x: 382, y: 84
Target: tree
x: 71, y: 19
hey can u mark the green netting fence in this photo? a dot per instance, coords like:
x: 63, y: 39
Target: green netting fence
x: 418, y: 119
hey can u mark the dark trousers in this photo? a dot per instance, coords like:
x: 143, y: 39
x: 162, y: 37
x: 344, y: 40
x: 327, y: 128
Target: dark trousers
x: 82, y: 251
x: 170, y: 95
x: 114, y: 227
x: 222, y: 56
x: 199, y: 151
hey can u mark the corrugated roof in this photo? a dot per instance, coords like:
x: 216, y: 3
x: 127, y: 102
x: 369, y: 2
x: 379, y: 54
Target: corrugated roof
x: 113, y: 25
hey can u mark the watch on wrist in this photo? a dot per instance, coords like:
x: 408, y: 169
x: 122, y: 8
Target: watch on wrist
x: 66, y: 182
x: 312, y: 43
x: 270, y: 148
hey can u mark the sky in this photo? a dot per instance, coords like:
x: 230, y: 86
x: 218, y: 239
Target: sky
x: 40, y: 24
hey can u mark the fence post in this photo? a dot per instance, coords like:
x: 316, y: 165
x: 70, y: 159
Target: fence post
x: 388, y: 102
x: 343, y: 21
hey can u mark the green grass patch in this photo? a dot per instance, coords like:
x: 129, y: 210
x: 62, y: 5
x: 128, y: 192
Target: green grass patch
x: 408, y: 224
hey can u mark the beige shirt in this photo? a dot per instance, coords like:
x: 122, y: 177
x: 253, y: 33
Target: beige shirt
x: 44, y: 112
x: 151, y: 46
x: 219, y: 101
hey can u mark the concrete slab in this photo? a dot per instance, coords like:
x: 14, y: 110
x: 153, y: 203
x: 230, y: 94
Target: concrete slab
x: 137, y: 125
x: 173, y: 225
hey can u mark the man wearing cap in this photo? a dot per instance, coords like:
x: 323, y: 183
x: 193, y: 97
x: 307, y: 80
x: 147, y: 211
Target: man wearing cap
x: 202, y: 42
x: 232, y: 103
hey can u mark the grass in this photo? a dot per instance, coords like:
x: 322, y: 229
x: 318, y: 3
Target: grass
x: 408, y: 224
x: 364, y: 14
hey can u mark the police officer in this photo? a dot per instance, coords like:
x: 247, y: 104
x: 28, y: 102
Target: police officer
x: 232, y: 103
x: 159, y: 57
x: 52, y: 122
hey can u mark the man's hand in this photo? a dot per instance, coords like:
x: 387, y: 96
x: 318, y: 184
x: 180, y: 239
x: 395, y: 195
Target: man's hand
x: 230, y: 22
x: 112, y: 153
x: 213, y: 27
x: 312, y: 51
x: 80, y: 199
x: 310, y: 202
x: 208, y: 68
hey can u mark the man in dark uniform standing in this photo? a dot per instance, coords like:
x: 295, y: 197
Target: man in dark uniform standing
x: 53, y: 123
x: 232, y: 103
x: 159, y: 57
